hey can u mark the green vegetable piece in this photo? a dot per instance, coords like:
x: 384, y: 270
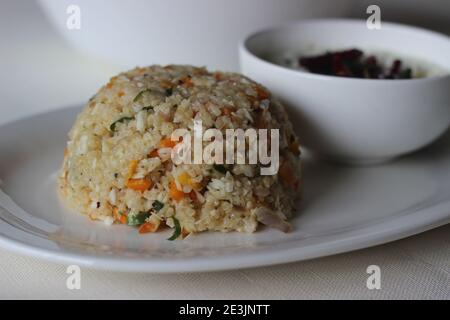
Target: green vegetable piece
x: 169, y: 92
x: 137, y: 219
x: 157, y: 205
x: 220, y: 168
x: 147, y: 108
x: 140, y: 94
x: 177, y: 231
x: 113, y: 125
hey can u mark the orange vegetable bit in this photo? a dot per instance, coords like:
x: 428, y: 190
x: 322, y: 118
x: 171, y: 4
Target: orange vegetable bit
x: 167, y: 143
x: 132, y: 168
x: 174, y: 193
x: 185, y: 179
x: 187, y: 82
x: 111, y: 82
x: 148, y: 227
x: 139, y: 184
x: 184, y: 233
x: 153, y: 153
x: 122, y: 218
x: 262, y: 93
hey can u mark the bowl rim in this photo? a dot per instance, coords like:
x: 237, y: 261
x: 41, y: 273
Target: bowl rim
x: 244, y: 49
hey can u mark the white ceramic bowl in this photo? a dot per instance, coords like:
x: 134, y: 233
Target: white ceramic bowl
x: 356, y: 120
x: 200, y: 32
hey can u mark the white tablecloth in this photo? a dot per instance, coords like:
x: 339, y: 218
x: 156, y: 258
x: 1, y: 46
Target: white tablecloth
x: 40, y: 72
x: 418, y: 267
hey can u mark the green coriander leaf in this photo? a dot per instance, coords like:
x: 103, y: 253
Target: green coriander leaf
x: 220, y: 168
x: 113, y: 125
x: 169, y: 92
x: 177, y: 231
x: 157, y: 205
x: 140, y: 94
x: 137, y: 219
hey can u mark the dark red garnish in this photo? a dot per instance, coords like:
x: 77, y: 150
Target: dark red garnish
x: 352, y: 63
x: 395, y: 69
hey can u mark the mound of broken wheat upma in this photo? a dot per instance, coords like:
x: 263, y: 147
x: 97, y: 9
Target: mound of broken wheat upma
x: 117, y: 165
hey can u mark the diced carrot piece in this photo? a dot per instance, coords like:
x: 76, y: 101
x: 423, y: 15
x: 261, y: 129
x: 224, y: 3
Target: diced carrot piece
x: 262, y: 94
x: 184, y: 233
x: 139, y: 184
x: 174, y: 193
x: 111, y: 82
x: 120, y: 94
x: 122, y: 218
x: 148, y: 227
x: 167, y: 143
x: 153, y: 153
x: 187, y: 82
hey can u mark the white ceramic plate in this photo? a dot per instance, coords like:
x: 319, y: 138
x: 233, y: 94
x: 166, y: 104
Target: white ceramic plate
x: 343, y: 209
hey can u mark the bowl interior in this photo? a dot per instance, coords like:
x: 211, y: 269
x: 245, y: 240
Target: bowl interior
x: 318, y: 36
